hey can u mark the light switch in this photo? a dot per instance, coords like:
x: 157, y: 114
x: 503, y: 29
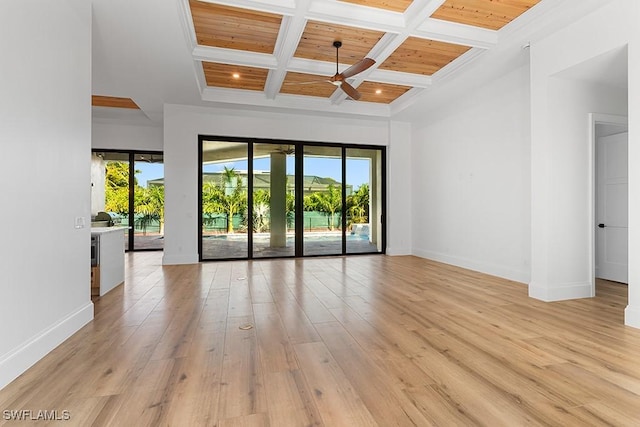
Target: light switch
x: 80, y: 222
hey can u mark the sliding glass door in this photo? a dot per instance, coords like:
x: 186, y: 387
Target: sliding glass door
x: 323, y: 191
x: 265, y: 198
x: 128, y: 191
x: 224, y: 197
x: 148, y: 201
x: 274, y: 200
x: 364, y: 201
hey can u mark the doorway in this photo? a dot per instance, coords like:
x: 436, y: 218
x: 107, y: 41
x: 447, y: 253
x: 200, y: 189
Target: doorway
x: 609, y: 140
x: 129, y: 185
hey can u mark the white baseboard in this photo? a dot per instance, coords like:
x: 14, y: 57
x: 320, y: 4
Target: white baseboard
x: 632, y: 316
x: 490, y: 269
x: 397, y: 251
x: 23, y: 357
x: 169, y: 259
x: 561, y: 291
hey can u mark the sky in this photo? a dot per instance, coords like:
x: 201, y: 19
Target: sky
x: 357, y: 169
x: 148, y: 171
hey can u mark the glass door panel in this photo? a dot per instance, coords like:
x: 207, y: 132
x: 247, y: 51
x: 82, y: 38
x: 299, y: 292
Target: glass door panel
x: 364, y: 200
x: 224, y: 200
x: 148, y: 223
x: 110, y: 172
x: 322, y: 186
x: 273, y: 200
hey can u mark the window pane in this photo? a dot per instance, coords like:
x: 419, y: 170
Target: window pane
x: 224, y: 200
x: 364, y: 200
x: 148, y: 224
x: 322, y: 200
x: 273, y: 200
x: 110, y: 190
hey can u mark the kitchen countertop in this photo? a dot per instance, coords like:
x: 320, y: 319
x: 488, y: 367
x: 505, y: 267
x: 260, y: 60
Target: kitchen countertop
x: 104, y: 230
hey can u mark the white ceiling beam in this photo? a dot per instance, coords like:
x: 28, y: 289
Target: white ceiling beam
x: 405, y: 100
x: 451, y: 32
x: 310, y: 66
x: 459, y: 63
x: 399, y: 78
x: 308, y: 103
x: 279, y: 7
x: 234, y: 57
x: 328, y: 69
x: 354, y: 15
x: 418, y: 11
x: 286, y: 44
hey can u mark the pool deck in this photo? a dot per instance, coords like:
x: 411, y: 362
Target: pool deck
x: 221, y: 248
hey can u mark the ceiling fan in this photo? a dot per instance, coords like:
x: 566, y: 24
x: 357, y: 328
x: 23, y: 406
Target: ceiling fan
x: 339, y: 79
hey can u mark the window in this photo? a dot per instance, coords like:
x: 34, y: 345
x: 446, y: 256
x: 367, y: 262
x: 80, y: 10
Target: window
x: 267, y: 198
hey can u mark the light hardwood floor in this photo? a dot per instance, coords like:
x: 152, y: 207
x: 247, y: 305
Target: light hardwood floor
x: 359, y: 341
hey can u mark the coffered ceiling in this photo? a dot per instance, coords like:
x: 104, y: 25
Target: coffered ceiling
x: 280, y: 52
x: 277, y: 55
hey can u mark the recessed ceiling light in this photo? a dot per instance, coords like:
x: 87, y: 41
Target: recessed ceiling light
x: 378, y: 91
x: 236, y: 75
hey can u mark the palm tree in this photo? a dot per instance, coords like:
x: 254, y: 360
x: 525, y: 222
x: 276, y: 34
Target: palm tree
x: 358, y: 205
x: 151, y: 207
x: 211, y: 194
x: 261, y: 200
x: 226, y: 200
x: 229, y: 179
x: 117, y: 187
x: 328, y: 202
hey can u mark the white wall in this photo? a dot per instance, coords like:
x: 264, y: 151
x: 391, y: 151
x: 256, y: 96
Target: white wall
x: 561, y: 260
x: 399, y: 185
x: 183, y: 124
x: 45, y: 135
x: 119, y: 136
x: 471, y: 179
x: 563, y: 175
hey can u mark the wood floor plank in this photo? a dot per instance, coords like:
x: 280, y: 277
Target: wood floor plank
x: 287, y: 400
x: 242, y: 391
x: 276, y: 352
x: 330, y: 341
x: 335, y: 397
x: 386, y: 401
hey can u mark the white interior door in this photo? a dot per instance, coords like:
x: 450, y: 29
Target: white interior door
x: 612, y: 201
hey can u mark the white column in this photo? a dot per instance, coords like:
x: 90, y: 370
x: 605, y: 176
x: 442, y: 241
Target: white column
x: 632, y: 312
x: 278, y: 205
x: 399, y: 189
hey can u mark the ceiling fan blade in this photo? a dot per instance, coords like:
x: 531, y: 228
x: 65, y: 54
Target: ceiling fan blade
x: 358, y: 67
x: 350, y: 90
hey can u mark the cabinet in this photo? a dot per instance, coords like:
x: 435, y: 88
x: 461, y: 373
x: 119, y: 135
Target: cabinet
x: 109, y: 271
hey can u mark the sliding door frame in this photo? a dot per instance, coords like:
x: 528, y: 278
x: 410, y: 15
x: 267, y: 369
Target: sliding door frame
x: 132, y: 169
x: 299, y: 193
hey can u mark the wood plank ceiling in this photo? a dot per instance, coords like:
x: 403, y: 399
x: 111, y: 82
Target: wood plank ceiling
x: 113, y: 102
x: 261, y: 46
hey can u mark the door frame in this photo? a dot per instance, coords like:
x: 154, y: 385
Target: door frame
x: 596, y: 119
x: 299, y: 172
x: 130, y: 237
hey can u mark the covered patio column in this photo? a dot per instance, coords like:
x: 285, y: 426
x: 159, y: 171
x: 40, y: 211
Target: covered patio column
x: 278, y: 200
